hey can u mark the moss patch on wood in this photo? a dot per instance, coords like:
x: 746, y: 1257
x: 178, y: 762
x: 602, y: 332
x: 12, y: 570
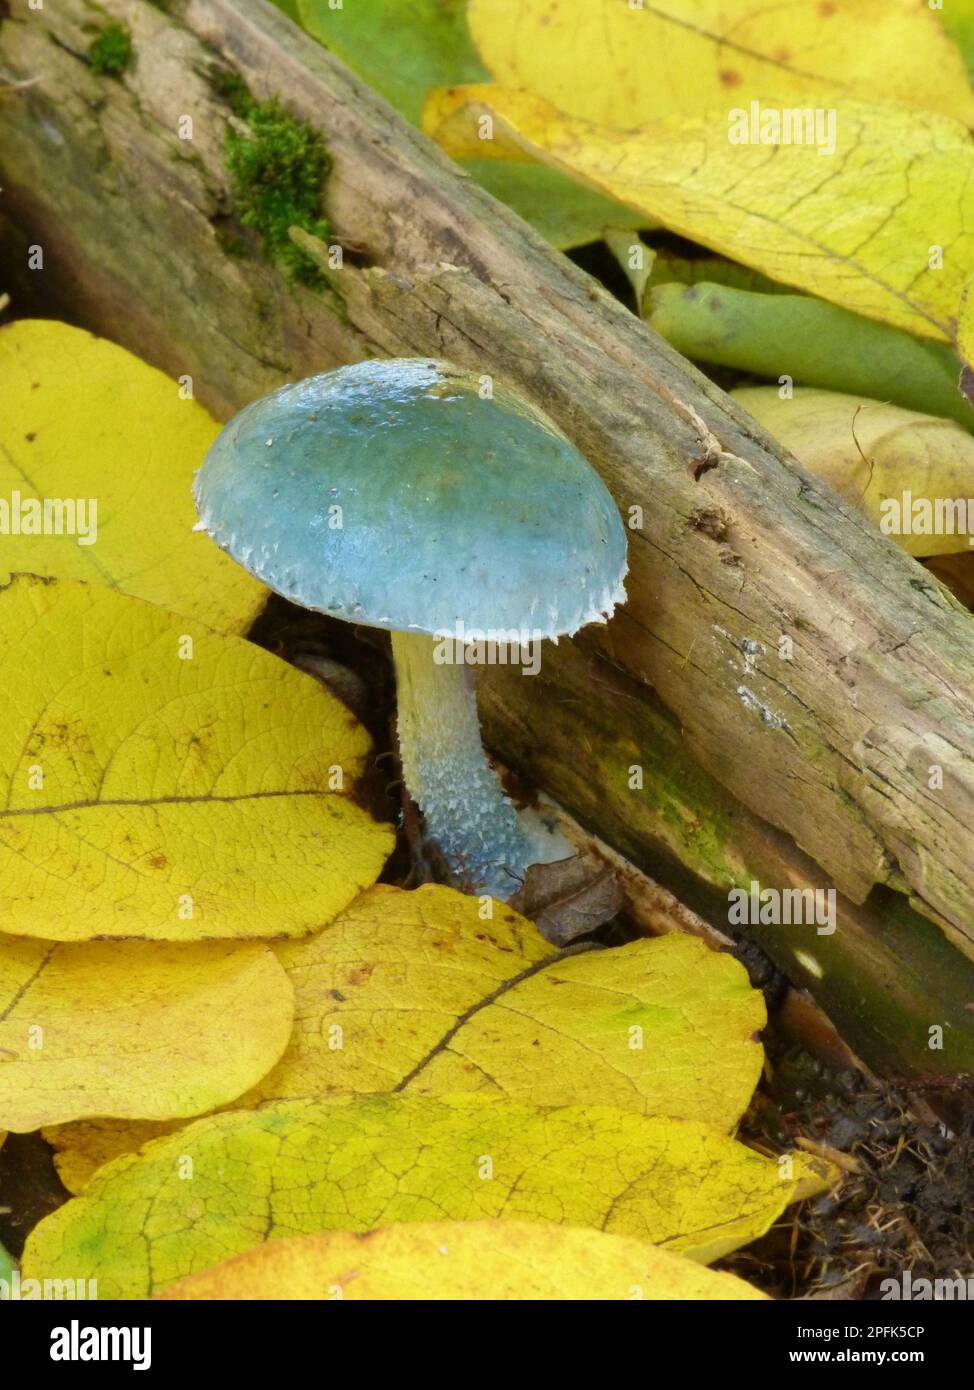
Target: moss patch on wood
x: 110, y: 52
x: 230, y: 87
x: 277, y: 167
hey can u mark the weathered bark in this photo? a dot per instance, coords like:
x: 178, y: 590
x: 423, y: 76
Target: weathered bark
x: 885, y: 976
x: 738, y: 547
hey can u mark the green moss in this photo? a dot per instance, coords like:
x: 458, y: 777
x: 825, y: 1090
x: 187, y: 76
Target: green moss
x: 692, y: 817
x: 230, y: 87
x: 110, y: 52
x: 277, y: 168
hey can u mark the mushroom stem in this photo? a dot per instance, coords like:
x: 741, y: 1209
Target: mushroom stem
x: 447, y: 773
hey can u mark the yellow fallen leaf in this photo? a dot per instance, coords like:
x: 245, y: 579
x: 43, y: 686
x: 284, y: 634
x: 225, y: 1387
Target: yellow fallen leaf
x: 462, y: 1260
x: 163, y: 781
x: 228, y: 1182
x: 416, y: 993
x: 81, y: 1147
x: 108, y: 446
x: 135, y: 1028
x: 857, y: 227
x: 911, y: 474
x: 621, y: 65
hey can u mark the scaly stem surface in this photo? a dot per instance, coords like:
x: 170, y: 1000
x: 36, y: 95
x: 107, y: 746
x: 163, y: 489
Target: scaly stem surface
x: 445, y: 768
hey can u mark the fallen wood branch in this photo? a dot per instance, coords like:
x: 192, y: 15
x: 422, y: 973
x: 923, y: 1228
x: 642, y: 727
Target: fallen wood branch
x: 816, y: 672
x: 885, y: 976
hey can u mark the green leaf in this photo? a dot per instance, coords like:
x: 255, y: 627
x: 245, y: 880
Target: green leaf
x: 957, y: 17
x: 400, y: 50
x: 7, y: 1264
x: 815, y: 343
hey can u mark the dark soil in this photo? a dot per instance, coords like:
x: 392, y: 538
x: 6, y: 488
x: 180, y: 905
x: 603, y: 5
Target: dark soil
x: 907, y: 1204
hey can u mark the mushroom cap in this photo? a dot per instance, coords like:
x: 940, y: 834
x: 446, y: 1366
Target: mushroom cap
x: 454, y: 509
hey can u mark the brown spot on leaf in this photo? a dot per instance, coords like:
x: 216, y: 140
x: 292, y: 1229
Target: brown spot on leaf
x: 967, y: 383
x: 729, y: 77
x: 360, y: 975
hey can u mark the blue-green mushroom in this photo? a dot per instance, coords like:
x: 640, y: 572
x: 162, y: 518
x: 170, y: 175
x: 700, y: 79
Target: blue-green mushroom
x: 415, y: 496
